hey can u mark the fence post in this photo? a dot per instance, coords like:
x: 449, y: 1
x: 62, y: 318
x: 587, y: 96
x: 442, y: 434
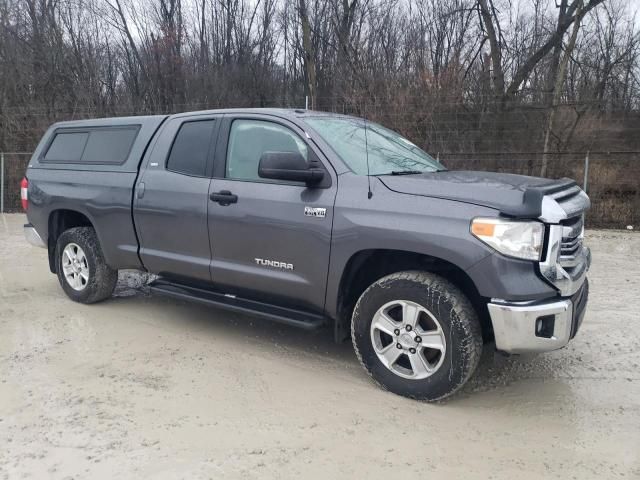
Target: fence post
x: 1, y: 182
x: 586, y: 173
x: 306, y: 102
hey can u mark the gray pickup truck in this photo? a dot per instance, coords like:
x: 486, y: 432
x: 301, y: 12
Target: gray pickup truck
x: 315, y: 219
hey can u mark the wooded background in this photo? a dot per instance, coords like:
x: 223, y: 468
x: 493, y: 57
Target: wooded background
x: 525, y: 86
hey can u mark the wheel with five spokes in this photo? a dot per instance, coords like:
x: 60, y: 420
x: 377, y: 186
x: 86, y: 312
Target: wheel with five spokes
x: 82, y: 271
x: 417, y: 335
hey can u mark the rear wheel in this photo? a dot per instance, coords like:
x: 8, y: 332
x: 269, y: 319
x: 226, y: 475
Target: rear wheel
x: 82, y: 272
x: 417, y: 335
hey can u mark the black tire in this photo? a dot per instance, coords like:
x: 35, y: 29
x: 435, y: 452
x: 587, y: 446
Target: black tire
x: 459, y: 324
x: 102, y: 278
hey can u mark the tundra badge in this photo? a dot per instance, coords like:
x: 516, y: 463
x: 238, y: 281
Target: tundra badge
x: 273, y: 263
x: 315, y: 212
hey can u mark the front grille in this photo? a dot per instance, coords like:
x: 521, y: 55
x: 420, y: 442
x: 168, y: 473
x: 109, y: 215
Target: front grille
x: 572, y: 239
x: 567, y: 260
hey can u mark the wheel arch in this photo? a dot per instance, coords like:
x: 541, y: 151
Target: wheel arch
x: 367, y: 266
x: 59, y: 221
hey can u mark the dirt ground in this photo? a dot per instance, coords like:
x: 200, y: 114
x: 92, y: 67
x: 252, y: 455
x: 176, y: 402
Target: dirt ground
x: 146, y: 387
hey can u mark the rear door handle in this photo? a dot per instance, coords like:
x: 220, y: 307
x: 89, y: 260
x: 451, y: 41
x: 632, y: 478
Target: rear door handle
x: 224, y: 197
x: 140, y: 190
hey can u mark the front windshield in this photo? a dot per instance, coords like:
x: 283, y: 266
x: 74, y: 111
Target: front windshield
x: 388, y: 151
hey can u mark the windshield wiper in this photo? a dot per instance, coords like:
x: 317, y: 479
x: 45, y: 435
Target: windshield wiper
x: 406, y: 172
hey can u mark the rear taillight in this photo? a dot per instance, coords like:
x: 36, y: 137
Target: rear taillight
x: 24, y: 193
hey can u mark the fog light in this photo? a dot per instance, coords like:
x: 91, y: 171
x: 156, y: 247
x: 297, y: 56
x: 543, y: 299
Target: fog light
x: 545, y: 326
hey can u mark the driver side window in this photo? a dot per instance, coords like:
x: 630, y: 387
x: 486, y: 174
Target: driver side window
x: 249, y: 139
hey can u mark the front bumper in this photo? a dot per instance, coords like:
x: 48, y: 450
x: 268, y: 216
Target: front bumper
x: 33, y: 237
x: 533, y: 327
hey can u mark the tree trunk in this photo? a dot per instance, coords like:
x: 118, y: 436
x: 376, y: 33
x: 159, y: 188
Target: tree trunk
x: 555, y: 58
x: 309, y: 57
x: 557, y: 88
x: 344, y: 38
x: 497, y: 74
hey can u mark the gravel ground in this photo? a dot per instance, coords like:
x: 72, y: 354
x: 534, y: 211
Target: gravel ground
x: 145, y: 387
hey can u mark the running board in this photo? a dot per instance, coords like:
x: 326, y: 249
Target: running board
x: 288, y: 316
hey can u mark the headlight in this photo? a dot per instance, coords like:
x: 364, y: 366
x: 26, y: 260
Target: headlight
x: 511, y: 237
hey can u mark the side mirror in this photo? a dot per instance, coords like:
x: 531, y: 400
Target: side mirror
x: 288, y: 166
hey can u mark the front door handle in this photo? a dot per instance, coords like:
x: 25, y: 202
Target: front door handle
x: 224, y: 197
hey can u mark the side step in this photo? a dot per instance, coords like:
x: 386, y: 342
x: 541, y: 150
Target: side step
x: 288, y: 316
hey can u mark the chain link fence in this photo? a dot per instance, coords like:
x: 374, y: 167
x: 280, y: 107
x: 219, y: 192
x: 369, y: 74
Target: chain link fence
x: 612, y: 179
x: 13, y: 166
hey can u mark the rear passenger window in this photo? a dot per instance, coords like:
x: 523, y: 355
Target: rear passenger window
x: 190, y: 149
x: 111, y: 145
x: 99, y: 146
x: 67, y: 147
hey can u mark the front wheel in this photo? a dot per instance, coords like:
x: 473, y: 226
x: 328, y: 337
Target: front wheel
x: 82, y: 272
x: 417, y: 335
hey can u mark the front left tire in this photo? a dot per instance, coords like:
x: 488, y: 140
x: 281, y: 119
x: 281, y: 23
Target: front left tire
x: 417, y: 335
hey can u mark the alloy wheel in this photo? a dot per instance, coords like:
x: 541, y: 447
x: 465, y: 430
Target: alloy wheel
x: 75, y: 267
x: 408, y: 339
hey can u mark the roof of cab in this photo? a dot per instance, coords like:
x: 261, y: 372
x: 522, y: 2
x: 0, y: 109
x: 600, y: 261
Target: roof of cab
x: 278, y: 112
x: 144, y: 119
x: 110, y: 121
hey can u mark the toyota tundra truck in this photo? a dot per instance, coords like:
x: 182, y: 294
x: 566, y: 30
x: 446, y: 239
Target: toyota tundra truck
x: 315, y: 219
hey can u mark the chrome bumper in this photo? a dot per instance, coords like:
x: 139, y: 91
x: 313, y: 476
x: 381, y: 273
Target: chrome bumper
x: 33, y: 237
x: 534, y: 327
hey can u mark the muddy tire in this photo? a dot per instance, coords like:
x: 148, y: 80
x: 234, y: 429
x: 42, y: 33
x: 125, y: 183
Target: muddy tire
x: 417, y: 335
x: 82, y: 271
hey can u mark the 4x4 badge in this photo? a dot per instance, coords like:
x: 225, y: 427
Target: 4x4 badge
x: 315, y: 212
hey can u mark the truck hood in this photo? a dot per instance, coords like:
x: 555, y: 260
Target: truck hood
x: 513, y: 195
